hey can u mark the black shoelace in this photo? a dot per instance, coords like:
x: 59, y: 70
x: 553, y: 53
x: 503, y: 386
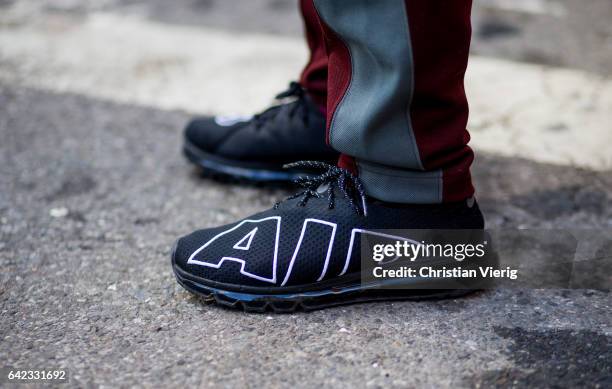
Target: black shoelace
x: 296, y: 91
x: 334, y: 177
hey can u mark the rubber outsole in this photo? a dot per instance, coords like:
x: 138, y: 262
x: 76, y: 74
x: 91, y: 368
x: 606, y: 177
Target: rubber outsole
x: 307, y: 300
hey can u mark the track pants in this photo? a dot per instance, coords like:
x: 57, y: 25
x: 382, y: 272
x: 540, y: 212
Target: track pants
x: 390, y: 76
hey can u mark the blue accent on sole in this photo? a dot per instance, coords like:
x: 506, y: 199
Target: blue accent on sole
x: 307, y: 300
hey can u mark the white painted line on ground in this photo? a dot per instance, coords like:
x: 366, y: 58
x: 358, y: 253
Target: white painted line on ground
x: 545, y: 114
x: 537, y: 7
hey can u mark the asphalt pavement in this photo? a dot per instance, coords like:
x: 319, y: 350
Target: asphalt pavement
x: 94, y: 191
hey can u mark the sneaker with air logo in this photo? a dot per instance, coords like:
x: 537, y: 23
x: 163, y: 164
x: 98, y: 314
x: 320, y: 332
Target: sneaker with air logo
x: 304, y: 253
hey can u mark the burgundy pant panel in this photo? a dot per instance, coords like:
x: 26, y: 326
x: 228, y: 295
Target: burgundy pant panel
x: 338, y: 59
x: 440, y: 32
x: 314, y: 75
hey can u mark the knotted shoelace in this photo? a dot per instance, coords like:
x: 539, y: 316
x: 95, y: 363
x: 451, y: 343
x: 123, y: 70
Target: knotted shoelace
x: 334, y: 177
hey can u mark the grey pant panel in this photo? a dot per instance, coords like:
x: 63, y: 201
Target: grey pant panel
x: 401, y: 185
x: 372, y: 122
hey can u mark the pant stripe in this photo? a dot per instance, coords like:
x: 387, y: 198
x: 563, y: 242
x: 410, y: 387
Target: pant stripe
x: 371, y: 121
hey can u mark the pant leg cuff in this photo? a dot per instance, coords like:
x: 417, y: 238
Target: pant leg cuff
x: 412, y: 186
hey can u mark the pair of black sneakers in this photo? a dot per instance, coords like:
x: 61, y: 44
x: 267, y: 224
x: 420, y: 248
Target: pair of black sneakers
x: 306, y: 252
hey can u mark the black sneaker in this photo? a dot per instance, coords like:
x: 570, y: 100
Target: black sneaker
x: 255, y: 149
x: 305, y: 252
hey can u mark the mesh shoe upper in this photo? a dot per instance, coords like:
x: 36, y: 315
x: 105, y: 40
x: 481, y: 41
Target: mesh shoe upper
x: 283, y: 133
x: 300, y: 243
